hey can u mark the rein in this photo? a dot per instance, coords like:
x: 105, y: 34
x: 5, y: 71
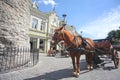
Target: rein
x: 80, y: 48
x: 102, y: 51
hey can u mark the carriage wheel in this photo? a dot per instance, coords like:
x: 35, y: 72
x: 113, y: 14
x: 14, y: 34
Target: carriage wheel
x: 115, y: 58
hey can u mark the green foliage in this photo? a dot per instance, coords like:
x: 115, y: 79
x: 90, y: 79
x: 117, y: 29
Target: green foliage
x: 114, y: 36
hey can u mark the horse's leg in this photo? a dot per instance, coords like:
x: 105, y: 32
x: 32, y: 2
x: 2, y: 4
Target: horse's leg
x: 73, y: 62
x: 78, y: 64
x: 89, y: 61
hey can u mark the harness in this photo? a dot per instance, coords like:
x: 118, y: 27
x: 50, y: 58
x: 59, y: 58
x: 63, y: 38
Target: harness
x: 73, y: 48
x: 80, y: 48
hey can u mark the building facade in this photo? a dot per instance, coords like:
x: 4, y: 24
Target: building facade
x: 38, y: 29
x: 53, y: 22
x: 41, y: 29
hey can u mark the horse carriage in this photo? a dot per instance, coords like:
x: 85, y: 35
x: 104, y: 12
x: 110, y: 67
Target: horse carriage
x: 77, y: 46
x: 104, y: 49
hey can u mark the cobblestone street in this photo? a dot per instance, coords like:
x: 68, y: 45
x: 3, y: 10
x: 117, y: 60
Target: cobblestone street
x: 60, y: 68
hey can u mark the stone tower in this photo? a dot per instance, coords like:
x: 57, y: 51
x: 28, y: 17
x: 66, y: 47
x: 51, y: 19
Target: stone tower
x: 14, y: 22
x: 14, y: 27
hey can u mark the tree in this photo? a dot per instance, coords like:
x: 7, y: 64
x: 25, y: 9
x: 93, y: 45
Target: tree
x: 117, y: 34
x: 114, y: 36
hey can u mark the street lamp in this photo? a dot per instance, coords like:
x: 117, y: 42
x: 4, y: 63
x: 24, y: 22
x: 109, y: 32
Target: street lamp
x: 64, y: 21
x: 64, y: 15
x: 81, y: 32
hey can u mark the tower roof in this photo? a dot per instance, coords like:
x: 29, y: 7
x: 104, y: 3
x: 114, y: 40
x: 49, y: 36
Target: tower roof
x: 34, y: 5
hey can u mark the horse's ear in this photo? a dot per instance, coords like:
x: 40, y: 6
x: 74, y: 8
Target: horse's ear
x: 64, y: 25
x: 62, y: 28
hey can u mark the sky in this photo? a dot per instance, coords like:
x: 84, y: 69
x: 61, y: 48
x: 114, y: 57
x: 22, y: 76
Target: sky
x: 94, y: 18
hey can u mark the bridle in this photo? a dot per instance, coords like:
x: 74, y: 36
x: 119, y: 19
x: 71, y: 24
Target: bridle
x: 57, y: 35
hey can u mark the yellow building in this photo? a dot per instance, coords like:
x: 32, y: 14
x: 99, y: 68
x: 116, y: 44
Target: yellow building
x: 42, y: 26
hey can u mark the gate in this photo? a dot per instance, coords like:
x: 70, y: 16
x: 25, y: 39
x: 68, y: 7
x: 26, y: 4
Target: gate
x: 14, y: 58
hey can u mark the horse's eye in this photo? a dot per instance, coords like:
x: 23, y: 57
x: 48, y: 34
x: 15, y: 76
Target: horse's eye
x: 56, y: 33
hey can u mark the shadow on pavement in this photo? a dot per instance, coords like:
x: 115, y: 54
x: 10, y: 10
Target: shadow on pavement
x: 60, y: 74
x: 55, y: 75
x: 109, y: 68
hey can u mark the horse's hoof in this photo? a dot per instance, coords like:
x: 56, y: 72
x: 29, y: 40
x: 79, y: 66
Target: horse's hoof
x: 90, y: 68
x: 77, y: 75
x: 74, y: 74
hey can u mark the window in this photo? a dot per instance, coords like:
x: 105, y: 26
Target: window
x: 51, y: 30
x: 42, y: 28
x: 34, y: 23
x: 54, y: 22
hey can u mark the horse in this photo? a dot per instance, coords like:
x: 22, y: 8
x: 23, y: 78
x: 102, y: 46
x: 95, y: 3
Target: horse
x: 72, y: 43
x: 104, y: 47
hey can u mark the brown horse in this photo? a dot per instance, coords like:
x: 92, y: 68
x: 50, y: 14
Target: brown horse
x: 72, y: 43
x: 105, y: 47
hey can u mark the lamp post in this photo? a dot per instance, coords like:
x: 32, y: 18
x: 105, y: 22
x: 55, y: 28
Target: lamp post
x: 81, y: 32
x: 64, y: 21
x: 64, y: 16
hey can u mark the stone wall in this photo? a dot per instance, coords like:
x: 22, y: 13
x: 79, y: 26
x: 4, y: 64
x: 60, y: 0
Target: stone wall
x: 14, y: 22
x: 14, y: 27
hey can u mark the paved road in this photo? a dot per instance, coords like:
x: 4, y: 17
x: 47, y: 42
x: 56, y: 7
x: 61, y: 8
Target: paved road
x: 56, y: 68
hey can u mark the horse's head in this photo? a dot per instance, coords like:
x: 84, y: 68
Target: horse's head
x: 58, y: 35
